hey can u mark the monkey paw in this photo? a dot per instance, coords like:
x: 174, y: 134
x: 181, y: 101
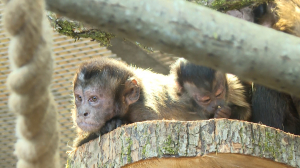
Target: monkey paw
x: 223, y: 112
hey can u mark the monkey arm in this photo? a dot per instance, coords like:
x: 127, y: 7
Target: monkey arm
x: 81, y: 139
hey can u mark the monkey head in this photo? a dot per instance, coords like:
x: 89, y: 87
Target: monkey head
x: 206, y: 87
x: 209, y: 95
x: 103, y: 89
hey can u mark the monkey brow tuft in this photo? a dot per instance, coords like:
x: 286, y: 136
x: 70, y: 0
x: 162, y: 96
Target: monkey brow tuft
x: 196, y: 74
x: 102, y: 71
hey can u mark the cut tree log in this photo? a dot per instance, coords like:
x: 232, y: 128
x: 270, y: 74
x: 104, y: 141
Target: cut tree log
x: 209, y: 143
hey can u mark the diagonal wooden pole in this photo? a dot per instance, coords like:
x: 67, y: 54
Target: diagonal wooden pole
x: 202, y: 35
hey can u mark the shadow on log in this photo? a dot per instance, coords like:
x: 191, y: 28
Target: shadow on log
x: 209, y: 143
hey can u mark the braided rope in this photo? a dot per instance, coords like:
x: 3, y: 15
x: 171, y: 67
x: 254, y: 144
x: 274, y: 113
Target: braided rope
x: 32, y: 67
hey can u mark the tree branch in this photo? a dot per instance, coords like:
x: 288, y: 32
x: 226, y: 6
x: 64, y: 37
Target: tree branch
x: 201, y: 35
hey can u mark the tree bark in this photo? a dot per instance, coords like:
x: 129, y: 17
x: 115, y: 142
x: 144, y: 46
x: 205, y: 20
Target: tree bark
x: 205, y: 142
x: 201, y: 35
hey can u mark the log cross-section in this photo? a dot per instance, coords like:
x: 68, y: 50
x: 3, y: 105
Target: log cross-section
x: 209, y: 143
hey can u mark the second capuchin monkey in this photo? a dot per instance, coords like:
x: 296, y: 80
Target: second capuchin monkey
x: 213, y: 94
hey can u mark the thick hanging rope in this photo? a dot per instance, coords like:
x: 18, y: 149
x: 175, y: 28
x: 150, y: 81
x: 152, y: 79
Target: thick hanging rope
x: 32, y: 67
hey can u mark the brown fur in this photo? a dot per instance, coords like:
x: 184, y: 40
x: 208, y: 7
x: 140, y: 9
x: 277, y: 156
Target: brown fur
x: 282, y: 15
x: 288, y: 12
x: 237, y: 95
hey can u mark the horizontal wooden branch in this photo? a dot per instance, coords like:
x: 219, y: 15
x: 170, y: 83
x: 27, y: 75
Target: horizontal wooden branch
x: 78, y: 30
x: 179, y: 139
x: 201, y: 35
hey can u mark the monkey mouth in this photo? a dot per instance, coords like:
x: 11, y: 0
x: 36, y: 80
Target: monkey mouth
x: 89, y: 127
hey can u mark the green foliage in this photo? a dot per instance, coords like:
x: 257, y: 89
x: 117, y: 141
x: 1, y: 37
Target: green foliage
x: 76, y: 31
x: 169, y: 146
x: 129, y: 141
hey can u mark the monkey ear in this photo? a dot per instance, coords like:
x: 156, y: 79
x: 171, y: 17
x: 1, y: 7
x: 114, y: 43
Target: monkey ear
x: 132, y: 91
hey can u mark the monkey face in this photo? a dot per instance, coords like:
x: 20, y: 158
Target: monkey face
x: 103, y: 89
x: 208, y: 101
x: 94, y: 106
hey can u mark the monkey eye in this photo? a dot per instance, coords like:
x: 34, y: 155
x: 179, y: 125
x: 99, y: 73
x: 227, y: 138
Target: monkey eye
x: 219, y: 92
x: 93, y: 99
x: 204, y: 99
x: 78, y: 97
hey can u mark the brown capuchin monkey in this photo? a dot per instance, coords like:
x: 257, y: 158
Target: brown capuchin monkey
x: 213, y: 94
x: 109, y: 93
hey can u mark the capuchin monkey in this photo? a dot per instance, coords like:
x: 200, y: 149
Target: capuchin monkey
x: 109, y: 93
x: 212, y: 93
x: 271, y: 107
